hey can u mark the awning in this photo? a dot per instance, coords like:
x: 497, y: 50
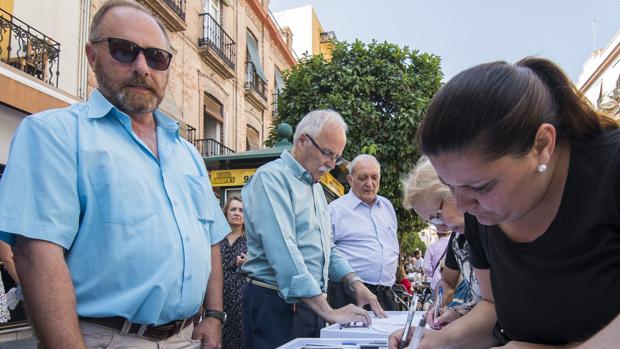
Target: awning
x: 254, y: 57
x: 279, y: 80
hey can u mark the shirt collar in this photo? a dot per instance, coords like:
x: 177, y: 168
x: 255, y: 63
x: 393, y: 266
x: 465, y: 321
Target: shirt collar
x: 354, y: 201
x: 294, y: 165
x: 99, y: 106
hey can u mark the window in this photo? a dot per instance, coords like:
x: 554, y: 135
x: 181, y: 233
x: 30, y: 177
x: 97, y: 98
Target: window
x: 278, y: 85
x: 213, y: 7
x: 253, y: 56
x: 213, y: 119
x: 252, y: 138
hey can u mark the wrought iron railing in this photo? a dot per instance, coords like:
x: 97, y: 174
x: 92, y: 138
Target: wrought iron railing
x: 29, y: 50
x: 190, y: 133
x: 216, y: 37
x: 178, y: 6
x: 274, y: 111
x: 253, y: 81
x: 211, y: 147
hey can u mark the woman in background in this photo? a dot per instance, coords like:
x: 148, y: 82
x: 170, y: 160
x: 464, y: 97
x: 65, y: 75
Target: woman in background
x: 233, y: 248
x: 432, y: 200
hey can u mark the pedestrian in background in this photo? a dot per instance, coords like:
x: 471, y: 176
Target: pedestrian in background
x: 233, y: 248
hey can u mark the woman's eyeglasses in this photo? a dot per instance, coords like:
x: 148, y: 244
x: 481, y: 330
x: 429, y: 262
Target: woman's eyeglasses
x: 327, y: 153
x: 126, y: 51
x: 436, y: 219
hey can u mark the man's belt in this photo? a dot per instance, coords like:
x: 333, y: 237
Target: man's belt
x: 125, y: 327
x: 262, y: 284
x: 377, y: 288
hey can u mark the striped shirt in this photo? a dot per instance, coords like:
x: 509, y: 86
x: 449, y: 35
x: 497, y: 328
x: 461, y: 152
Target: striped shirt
x: 366, y: 237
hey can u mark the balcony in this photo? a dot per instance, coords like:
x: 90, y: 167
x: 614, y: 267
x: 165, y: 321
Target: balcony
x: 217, y: 47
x: 210, y: 147
x: 255, y: 87
x: 28, y: 50
x: 189, y: 133
x: 171, y: 12
x: 274, y: 105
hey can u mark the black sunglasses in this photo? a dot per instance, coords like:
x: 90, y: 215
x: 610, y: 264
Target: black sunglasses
x: 327, y: 153
x: 126, y: 51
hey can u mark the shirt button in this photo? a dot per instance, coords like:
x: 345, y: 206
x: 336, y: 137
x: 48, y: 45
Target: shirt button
x: 189, y: 277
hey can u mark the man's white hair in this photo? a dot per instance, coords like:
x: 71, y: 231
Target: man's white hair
x: 312, y: 123
x: 362, y: 157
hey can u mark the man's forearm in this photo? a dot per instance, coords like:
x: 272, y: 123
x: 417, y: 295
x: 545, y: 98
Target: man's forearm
x: 319, y: 305
x: 214, y: 298
x: 49, y: 293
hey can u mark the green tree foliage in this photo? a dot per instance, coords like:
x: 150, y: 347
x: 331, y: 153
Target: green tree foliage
x: 382, y: 91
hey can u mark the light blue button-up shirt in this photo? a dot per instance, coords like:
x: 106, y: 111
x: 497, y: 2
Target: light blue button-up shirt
x: 289, y: 232
x: 366, y: 237
x: 138, y: 230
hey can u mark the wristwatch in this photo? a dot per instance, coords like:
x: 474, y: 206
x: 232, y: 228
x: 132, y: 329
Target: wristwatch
x: 351, y: 281
x: 220, y: 315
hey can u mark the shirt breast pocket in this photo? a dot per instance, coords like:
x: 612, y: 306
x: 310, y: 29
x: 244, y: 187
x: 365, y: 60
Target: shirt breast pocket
x: 121, y: 196
x: 199, y: 193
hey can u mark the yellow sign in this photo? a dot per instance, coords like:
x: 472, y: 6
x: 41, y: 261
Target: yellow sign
x: 230, y: 178
x: 332, y: 184
x: 238, y: 178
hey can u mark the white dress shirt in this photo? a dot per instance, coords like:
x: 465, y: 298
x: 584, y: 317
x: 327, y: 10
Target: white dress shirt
x: 366, y: 237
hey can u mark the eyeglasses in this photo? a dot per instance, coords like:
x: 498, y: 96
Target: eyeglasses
x: 436, y: 219
x: 126, y: 51
x: 327, y: 153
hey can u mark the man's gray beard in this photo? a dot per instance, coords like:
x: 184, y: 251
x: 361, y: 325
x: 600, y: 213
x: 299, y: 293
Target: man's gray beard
x: 125, y: 102
x: 135, y: 104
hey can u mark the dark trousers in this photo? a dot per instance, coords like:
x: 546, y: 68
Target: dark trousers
x: 338, y: 298
x: 269, y: 322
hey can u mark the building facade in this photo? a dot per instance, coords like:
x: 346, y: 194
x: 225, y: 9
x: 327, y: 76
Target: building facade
x: 308, y: 34
x: 600, y: 79
x: 39, y: 61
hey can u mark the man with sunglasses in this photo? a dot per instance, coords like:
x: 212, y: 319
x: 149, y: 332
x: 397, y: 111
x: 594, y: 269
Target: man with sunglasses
x: 364, y: 226
x: 291, y: 256
x: 112, y: 214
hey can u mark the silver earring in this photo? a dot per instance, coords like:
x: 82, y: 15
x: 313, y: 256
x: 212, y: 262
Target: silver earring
x: 541, y: 168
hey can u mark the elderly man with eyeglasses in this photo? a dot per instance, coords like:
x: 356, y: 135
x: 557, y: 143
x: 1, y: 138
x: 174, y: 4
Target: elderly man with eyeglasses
x: 291, y: 256
x: 115, y: 224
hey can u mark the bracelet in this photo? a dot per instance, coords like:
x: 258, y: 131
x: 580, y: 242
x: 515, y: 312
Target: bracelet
x: 351, y: 281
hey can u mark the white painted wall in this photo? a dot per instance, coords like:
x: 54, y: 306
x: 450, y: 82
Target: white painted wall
x: 9, y: 120
x: 300, y: 21
x: 60, y: 20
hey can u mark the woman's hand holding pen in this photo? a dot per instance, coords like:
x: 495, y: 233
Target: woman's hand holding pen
x: 446, y: 316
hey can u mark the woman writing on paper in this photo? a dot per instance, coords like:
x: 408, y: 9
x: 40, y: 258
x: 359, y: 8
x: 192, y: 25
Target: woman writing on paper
x: 535, y: 169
